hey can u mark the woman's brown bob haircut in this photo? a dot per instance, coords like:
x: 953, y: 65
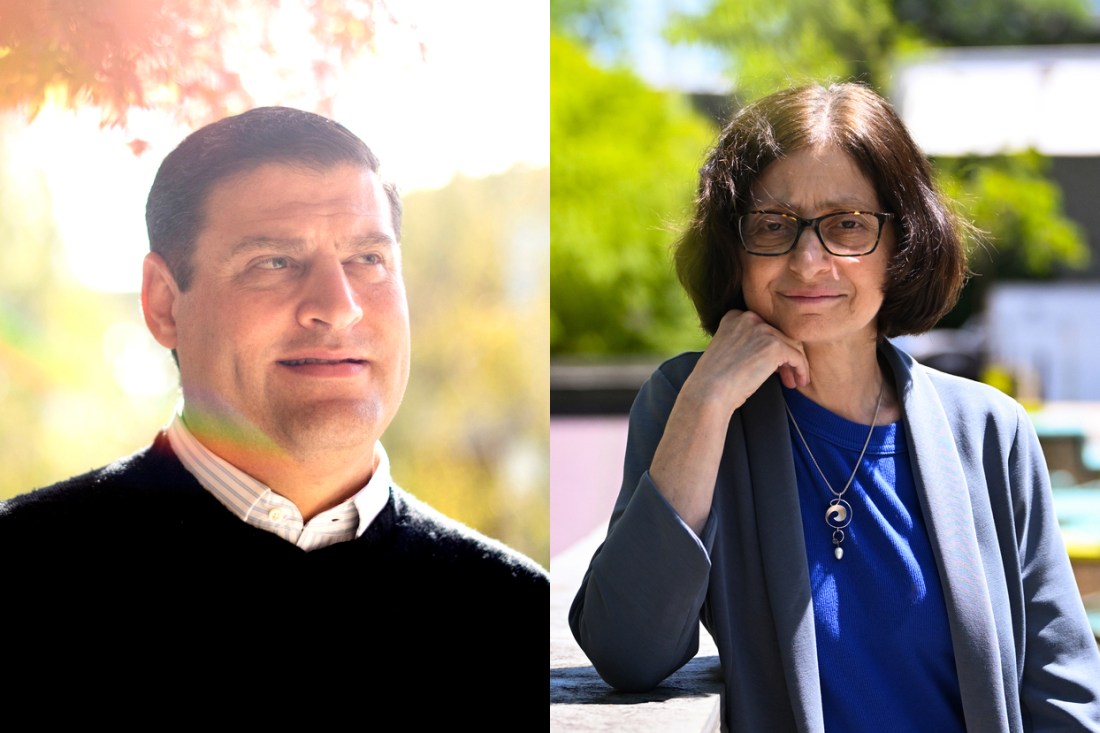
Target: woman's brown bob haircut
x: 928, y: 266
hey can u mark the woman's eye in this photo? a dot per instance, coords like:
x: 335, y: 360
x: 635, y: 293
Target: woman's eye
x: 778, y: 225
x: 854, y: 222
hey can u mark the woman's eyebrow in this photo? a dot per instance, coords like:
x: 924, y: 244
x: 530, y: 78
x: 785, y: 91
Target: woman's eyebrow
x: 845, y: 204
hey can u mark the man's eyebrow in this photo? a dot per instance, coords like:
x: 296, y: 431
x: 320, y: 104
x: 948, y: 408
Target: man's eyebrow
x: 275, y: 244
x: 293, y: 245
x: 371, y: 240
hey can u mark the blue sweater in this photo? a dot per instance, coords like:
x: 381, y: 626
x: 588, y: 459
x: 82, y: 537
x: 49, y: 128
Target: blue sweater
x: 883, y: 600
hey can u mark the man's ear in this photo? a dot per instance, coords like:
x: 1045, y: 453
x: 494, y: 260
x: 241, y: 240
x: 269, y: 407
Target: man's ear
x: 159, y: 294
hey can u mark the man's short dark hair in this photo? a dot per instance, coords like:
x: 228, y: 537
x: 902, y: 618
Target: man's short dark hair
x: 928, y: 265
x: 176, y: 208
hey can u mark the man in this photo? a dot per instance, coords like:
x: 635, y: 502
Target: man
x: 262, y: 528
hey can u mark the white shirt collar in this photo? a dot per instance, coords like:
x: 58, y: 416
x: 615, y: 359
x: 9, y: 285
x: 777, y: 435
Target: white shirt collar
x: 255, y: 503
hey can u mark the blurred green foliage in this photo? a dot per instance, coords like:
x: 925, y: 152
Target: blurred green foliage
x: 1010, y: 198
x: 1023, y: 232
x: 625, y: 157
x: 999, y: 22
x: 588, y: 21
x: 773, y: 44
x: 624, y: 166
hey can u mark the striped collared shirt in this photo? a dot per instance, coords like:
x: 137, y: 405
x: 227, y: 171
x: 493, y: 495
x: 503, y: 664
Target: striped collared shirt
x: 256, y: 504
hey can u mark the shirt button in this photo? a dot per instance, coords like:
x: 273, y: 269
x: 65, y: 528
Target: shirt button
x: 276, y: 515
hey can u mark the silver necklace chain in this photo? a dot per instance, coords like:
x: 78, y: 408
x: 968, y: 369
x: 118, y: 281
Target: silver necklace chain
x: 839, y: 513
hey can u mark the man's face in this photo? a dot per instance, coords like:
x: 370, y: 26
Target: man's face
x: 296, y: 322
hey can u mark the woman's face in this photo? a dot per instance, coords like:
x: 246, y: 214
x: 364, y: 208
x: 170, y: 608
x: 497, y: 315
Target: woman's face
x: 809, y: 294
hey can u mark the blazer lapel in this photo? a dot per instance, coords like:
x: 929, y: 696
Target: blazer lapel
x: 945, y: 505
x: 783, y: 548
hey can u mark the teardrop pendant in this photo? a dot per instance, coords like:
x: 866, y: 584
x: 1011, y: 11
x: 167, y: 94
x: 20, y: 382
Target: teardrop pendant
x: 838, y: 537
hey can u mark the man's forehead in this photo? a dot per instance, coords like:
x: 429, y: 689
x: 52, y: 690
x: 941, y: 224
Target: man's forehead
x: 282, y: 190
x: 280, y: 170
x: 288, y: 208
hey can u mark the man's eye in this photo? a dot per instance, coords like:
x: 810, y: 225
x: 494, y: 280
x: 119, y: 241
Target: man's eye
x: 370, y: 259
x: 274, y: 263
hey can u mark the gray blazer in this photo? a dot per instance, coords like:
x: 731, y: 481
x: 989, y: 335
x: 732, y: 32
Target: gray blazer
x: 1024, y: 652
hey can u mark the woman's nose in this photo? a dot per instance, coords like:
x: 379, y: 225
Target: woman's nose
x: 809, y: 255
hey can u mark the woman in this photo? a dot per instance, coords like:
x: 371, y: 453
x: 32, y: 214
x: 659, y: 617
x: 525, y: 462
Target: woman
x: 871, y: 543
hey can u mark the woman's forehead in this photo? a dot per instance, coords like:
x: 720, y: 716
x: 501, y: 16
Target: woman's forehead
x: 815, y: 178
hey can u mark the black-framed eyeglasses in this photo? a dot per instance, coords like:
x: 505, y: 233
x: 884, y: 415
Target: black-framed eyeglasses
x: 842, y: 233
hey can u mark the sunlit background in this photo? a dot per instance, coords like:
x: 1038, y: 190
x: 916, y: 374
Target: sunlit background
x: 453, y: 97
x: 997, y: 92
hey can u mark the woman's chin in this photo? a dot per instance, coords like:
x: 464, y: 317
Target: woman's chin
x: 812, y: 332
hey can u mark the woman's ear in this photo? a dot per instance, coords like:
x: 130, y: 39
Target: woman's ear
x: 159, y: 294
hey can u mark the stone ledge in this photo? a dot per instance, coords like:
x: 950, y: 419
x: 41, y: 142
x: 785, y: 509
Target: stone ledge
x: 689, y: 700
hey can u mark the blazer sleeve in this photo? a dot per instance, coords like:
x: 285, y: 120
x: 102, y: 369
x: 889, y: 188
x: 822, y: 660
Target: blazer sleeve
x: 1060, y: 680
x: 637, y: 613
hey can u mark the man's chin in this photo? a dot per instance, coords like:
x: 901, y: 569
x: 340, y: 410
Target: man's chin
x: 330, y: 427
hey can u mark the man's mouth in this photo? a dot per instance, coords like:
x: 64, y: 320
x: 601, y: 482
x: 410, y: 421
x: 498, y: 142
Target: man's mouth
x: 302, y: 362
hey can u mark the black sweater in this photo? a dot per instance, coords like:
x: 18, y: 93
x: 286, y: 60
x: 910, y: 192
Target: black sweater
x: 136, y: 563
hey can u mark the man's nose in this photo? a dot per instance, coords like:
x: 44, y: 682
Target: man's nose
x: 328, y: 298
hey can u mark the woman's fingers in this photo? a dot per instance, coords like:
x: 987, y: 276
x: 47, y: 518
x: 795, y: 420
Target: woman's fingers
x: 788, y: 377
x: 746, y: 350
x: 792, y: 377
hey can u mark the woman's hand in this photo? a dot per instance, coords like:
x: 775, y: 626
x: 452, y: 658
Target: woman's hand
x: 744, y: 352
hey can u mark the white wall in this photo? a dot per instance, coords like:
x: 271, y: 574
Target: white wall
x: 1051, y: 330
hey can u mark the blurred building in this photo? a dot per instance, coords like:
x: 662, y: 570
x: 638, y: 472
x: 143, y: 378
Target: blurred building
x: 984, y: 101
